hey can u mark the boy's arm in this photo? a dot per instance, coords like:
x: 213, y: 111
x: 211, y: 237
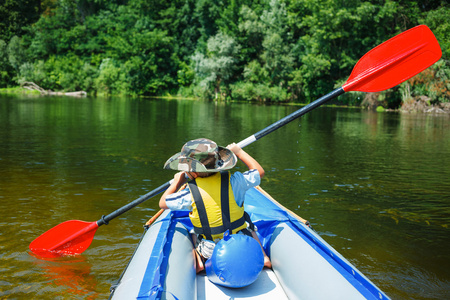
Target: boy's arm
x: 178, y: 180
x: 249, y: 161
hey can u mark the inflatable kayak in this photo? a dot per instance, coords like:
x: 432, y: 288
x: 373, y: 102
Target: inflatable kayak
x: 304, y: 266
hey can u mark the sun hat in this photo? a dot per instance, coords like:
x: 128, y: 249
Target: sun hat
x: 202, y: 155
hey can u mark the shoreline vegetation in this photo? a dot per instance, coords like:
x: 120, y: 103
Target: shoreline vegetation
x: 422, y: 105
x: 267, y: 51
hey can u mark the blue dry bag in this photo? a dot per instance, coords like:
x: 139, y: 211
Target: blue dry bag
x: 236, y: 261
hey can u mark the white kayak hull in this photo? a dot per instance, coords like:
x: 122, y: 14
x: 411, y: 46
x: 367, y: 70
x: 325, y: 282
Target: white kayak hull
x: 304, y: 265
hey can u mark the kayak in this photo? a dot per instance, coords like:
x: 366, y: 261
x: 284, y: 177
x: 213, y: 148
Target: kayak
x: 304, y: 266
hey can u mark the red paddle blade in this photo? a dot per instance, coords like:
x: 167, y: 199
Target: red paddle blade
x: 395, y: 61
x: 70, y: 237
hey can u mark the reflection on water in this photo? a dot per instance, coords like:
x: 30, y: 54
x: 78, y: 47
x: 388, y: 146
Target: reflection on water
x: 73, y: 274
x: 375, y: 186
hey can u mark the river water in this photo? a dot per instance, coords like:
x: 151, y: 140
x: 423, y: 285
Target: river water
x: 374, y: 186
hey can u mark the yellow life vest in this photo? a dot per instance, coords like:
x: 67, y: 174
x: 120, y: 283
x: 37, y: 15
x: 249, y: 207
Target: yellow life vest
x: 214, y: 209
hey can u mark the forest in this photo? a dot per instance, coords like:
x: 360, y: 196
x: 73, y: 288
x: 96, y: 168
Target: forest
x: 247, y: 50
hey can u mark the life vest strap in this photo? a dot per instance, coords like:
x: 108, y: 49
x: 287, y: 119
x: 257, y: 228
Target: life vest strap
x: 224, y: 198
x: 218, y: 229
x: 206, y: 229
x: 201, y: 210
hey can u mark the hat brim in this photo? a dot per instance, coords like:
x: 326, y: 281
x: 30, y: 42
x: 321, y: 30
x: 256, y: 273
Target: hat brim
x: 188, y: 164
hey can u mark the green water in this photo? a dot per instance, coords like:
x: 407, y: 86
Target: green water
x: 374, y: 186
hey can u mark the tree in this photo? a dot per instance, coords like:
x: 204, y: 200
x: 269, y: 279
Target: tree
x: 15, y: 15
x: 332, y: 35
x: 277, y: 54
x: 251, y: 33
x: 4, y: 65
x: 16, y: 53
x: 270, y: 55
x: 265, y: 50
x: 206, y: 13
x: 217, y: 67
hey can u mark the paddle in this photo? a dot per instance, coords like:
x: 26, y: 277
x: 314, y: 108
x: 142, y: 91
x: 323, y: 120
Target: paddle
x: 74, y: 236
x: 385, y: 66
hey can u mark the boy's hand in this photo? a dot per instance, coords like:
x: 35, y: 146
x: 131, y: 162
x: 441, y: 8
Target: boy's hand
x: 180, y: 177
x: 249, y: 161
x: 178, y: 180
x: 234, y: 148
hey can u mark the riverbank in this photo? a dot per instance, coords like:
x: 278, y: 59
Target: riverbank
x: 422, y: 104
x: 419, y: 105
x: 18, y: 91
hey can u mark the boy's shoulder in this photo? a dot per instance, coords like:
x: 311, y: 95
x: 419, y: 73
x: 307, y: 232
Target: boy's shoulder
x: 250, y: 175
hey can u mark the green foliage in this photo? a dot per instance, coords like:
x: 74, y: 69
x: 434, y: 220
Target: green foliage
x: 111, y: 79
x: 380, y: 109
x: 217, y: 68
x: 63, y: 73
x: 263, y: 50
x: 333, y: 35
x: 4, y: 70
x: 15, y: 15
x: 16, y: 53
x: 258, y: 92
x: 437, y: 20
x: 434, y: 83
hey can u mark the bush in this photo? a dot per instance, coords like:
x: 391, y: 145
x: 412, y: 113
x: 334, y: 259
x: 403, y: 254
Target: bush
x: 258, y: 92
x: 110, y: 79
x: 434, y: 83
x: 60, y: 73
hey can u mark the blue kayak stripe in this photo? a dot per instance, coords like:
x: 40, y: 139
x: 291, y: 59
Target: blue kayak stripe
x: 154, y: 278
x: 259, y: 210
x: 155, y: 273
x: 352, y: 275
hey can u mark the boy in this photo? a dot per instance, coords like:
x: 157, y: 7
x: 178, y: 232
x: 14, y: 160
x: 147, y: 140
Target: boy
x: 214, y: 198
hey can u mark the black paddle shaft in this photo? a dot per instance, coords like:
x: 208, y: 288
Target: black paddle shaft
x: 337, y: 92
x: 105, y: 219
